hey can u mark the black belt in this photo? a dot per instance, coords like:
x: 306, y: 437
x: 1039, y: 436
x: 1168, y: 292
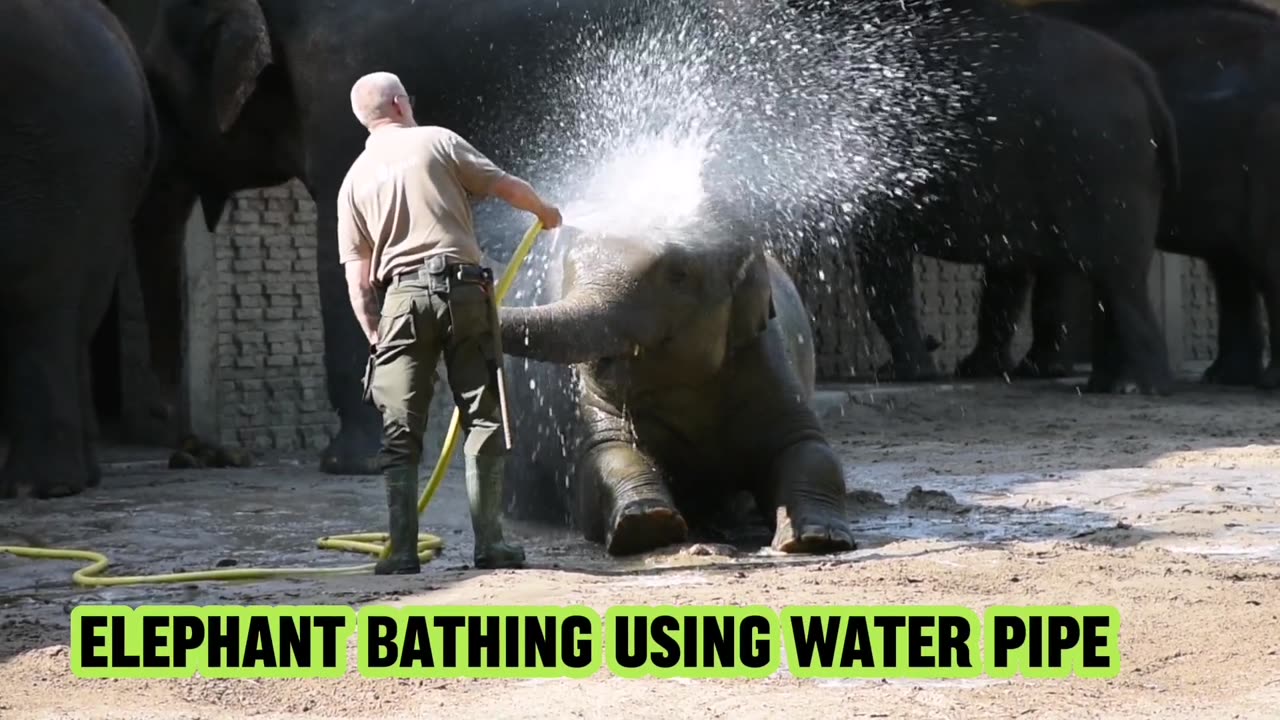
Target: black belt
x: 437, y: 270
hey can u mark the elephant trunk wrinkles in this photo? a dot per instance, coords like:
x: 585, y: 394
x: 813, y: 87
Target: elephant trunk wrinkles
x: 569, y: 331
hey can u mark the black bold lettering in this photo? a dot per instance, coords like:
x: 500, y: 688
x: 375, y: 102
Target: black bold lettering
x: 917, y: 642
x: 889, y: 625
x: 188, y: 634
x: 631, y: 638
x: 258, y: 645
x: 91, y: 640
x: 223, y: 638
x: 953, y: 633
x: 120, y: 656
x: 857, y: 644
x: 417, y: 643
x: 511, y: 638
x: 816, y: 638
x: 717, y: 643
x: 295, y: 641
x: 488, y: 639
x: 328, y: 625
x: 753, y: 653
x: 381, y: 646
x: 1093, y: 640
x: 1035, y: 645
x: 691, y: 640
x: 1060, y: 642
x: 152, y: 641
x: 660, y: 630
x: 540, y: 639
x: 450, y: 624
x: 1010, y: 633
x: 575, y: 653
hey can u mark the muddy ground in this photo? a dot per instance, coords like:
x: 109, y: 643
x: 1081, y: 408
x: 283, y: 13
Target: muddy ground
x: 1167, y: 508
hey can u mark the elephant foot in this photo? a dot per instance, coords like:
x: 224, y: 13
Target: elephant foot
x: 1234, y: 372
x: 44, y: 477
x: 194, y: 453
x: 811, y: 534
x: 1270, y: 379
x: 1105, y: 383
x: 352, y: 452
x: 984, y: 365
x: 644, y: 525
x: 1034, y: 367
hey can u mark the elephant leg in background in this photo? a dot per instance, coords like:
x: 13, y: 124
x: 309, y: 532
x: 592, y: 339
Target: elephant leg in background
x: 1240, y: 346
x: 1269, y: 278
x: 1055, y: 291
x: 1004, y: 295
x: 624, y: 501
x: 44, y: 354
x: 94, y: 302
x: 889, y: 283
x: 353, y: 451
x: 1128, y: 349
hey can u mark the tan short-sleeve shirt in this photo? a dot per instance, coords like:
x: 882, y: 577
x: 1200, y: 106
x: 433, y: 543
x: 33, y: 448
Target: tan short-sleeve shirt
x: 408, y: 198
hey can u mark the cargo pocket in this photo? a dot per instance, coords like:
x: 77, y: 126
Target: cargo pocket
x: 397, y: 329
x: 470, y: 314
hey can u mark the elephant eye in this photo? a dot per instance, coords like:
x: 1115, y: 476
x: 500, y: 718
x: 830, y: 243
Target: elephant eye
x: 677, y: 275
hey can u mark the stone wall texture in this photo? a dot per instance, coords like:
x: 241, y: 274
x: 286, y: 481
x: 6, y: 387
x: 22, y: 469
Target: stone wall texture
x: 271, y: 380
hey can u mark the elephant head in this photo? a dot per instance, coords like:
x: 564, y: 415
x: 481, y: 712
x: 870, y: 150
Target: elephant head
x: 224, y: 101
x: 673, y: 301
x: 226, y: 122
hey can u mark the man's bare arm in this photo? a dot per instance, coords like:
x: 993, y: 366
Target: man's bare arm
x: 364, y: 301
x: 520, y: 195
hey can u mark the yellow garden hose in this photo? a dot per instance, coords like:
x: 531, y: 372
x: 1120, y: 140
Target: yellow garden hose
x: 371, y: 543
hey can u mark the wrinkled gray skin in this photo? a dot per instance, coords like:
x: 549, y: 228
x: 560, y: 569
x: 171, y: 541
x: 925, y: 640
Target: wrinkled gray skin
x: 67, y: 194
x: 1218, y: 63
x: 253, y: 93
x: 649, y: 385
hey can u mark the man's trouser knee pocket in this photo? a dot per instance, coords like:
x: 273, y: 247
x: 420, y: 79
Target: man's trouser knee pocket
x: 401, y: 382
x: 474, y: 361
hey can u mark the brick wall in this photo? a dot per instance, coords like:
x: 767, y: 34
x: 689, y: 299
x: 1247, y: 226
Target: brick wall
x: 271, y: 380
x: 270, y: 338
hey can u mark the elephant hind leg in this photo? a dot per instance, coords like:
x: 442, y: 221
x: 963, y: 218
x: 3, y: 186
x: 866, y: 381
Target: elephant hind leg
x: 805, y: 490
x: 46, y: 452
x: 1240, y: 347
x: 624, y: 501
x: 1129, y: 351
x: 1004, y: 293
x: 1057, y: 292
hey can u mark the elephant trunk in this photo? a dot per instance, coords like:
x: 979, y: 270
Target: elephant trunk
x: 570, y: 331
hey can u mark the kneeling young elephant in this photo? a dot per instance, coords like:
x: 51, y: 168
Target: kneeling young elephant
x: 653, y: 377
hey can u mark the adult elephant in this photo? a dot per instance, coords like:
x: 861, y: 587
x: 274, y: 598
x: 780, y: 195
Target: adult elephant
x: 659, y: 372
x: 1066, y: 153
x: 67, y: 195
x: 255, y: 93
x: 1218, y: 63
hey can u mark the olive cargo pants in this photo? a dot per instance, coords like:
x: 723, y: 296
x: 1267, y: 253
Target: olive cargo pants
x: 424, y: 316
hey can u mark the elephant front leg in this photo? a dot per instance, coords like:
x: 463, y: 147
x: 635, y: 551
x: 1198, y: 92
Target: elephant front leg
x: 624, y: 501
x: 354, y: 449
x: 1004, y: 293
x: 46, y: 457
x: 889, y: 280
x: 805, y: 490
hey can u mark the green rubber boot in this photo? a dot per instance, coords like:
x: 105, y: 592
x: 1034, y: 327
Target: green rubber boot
x: 484, y: 490
x: 402, y: 509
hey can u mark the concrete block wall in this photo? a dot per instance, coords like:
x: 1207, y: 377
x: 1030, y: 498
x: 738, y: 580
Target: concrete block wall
x: 271, y: 378
x: 270, y: 371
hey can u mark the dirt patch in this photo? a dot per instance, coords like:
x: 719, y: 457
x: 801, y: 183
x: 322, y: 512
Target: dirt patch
x: 1168, y: 509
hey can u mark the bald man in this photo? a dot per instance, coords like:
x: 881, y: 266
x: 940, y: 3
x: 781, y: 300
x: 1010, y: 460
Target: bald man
x: 405, y: 227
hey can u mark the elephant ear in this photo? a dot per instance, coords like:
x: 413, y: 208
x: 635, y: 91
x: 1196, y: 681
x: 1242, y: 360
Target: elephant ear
x: 241, y: 51
x: 752, y: 303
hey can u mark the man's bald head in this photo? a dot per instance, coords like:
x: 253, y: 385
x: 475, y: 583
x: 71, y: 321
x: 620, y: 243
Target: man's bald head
x: 373, y: 99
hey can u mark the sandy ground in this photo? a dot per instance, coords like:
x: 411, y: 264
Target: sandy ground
x: 1168, y: 509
